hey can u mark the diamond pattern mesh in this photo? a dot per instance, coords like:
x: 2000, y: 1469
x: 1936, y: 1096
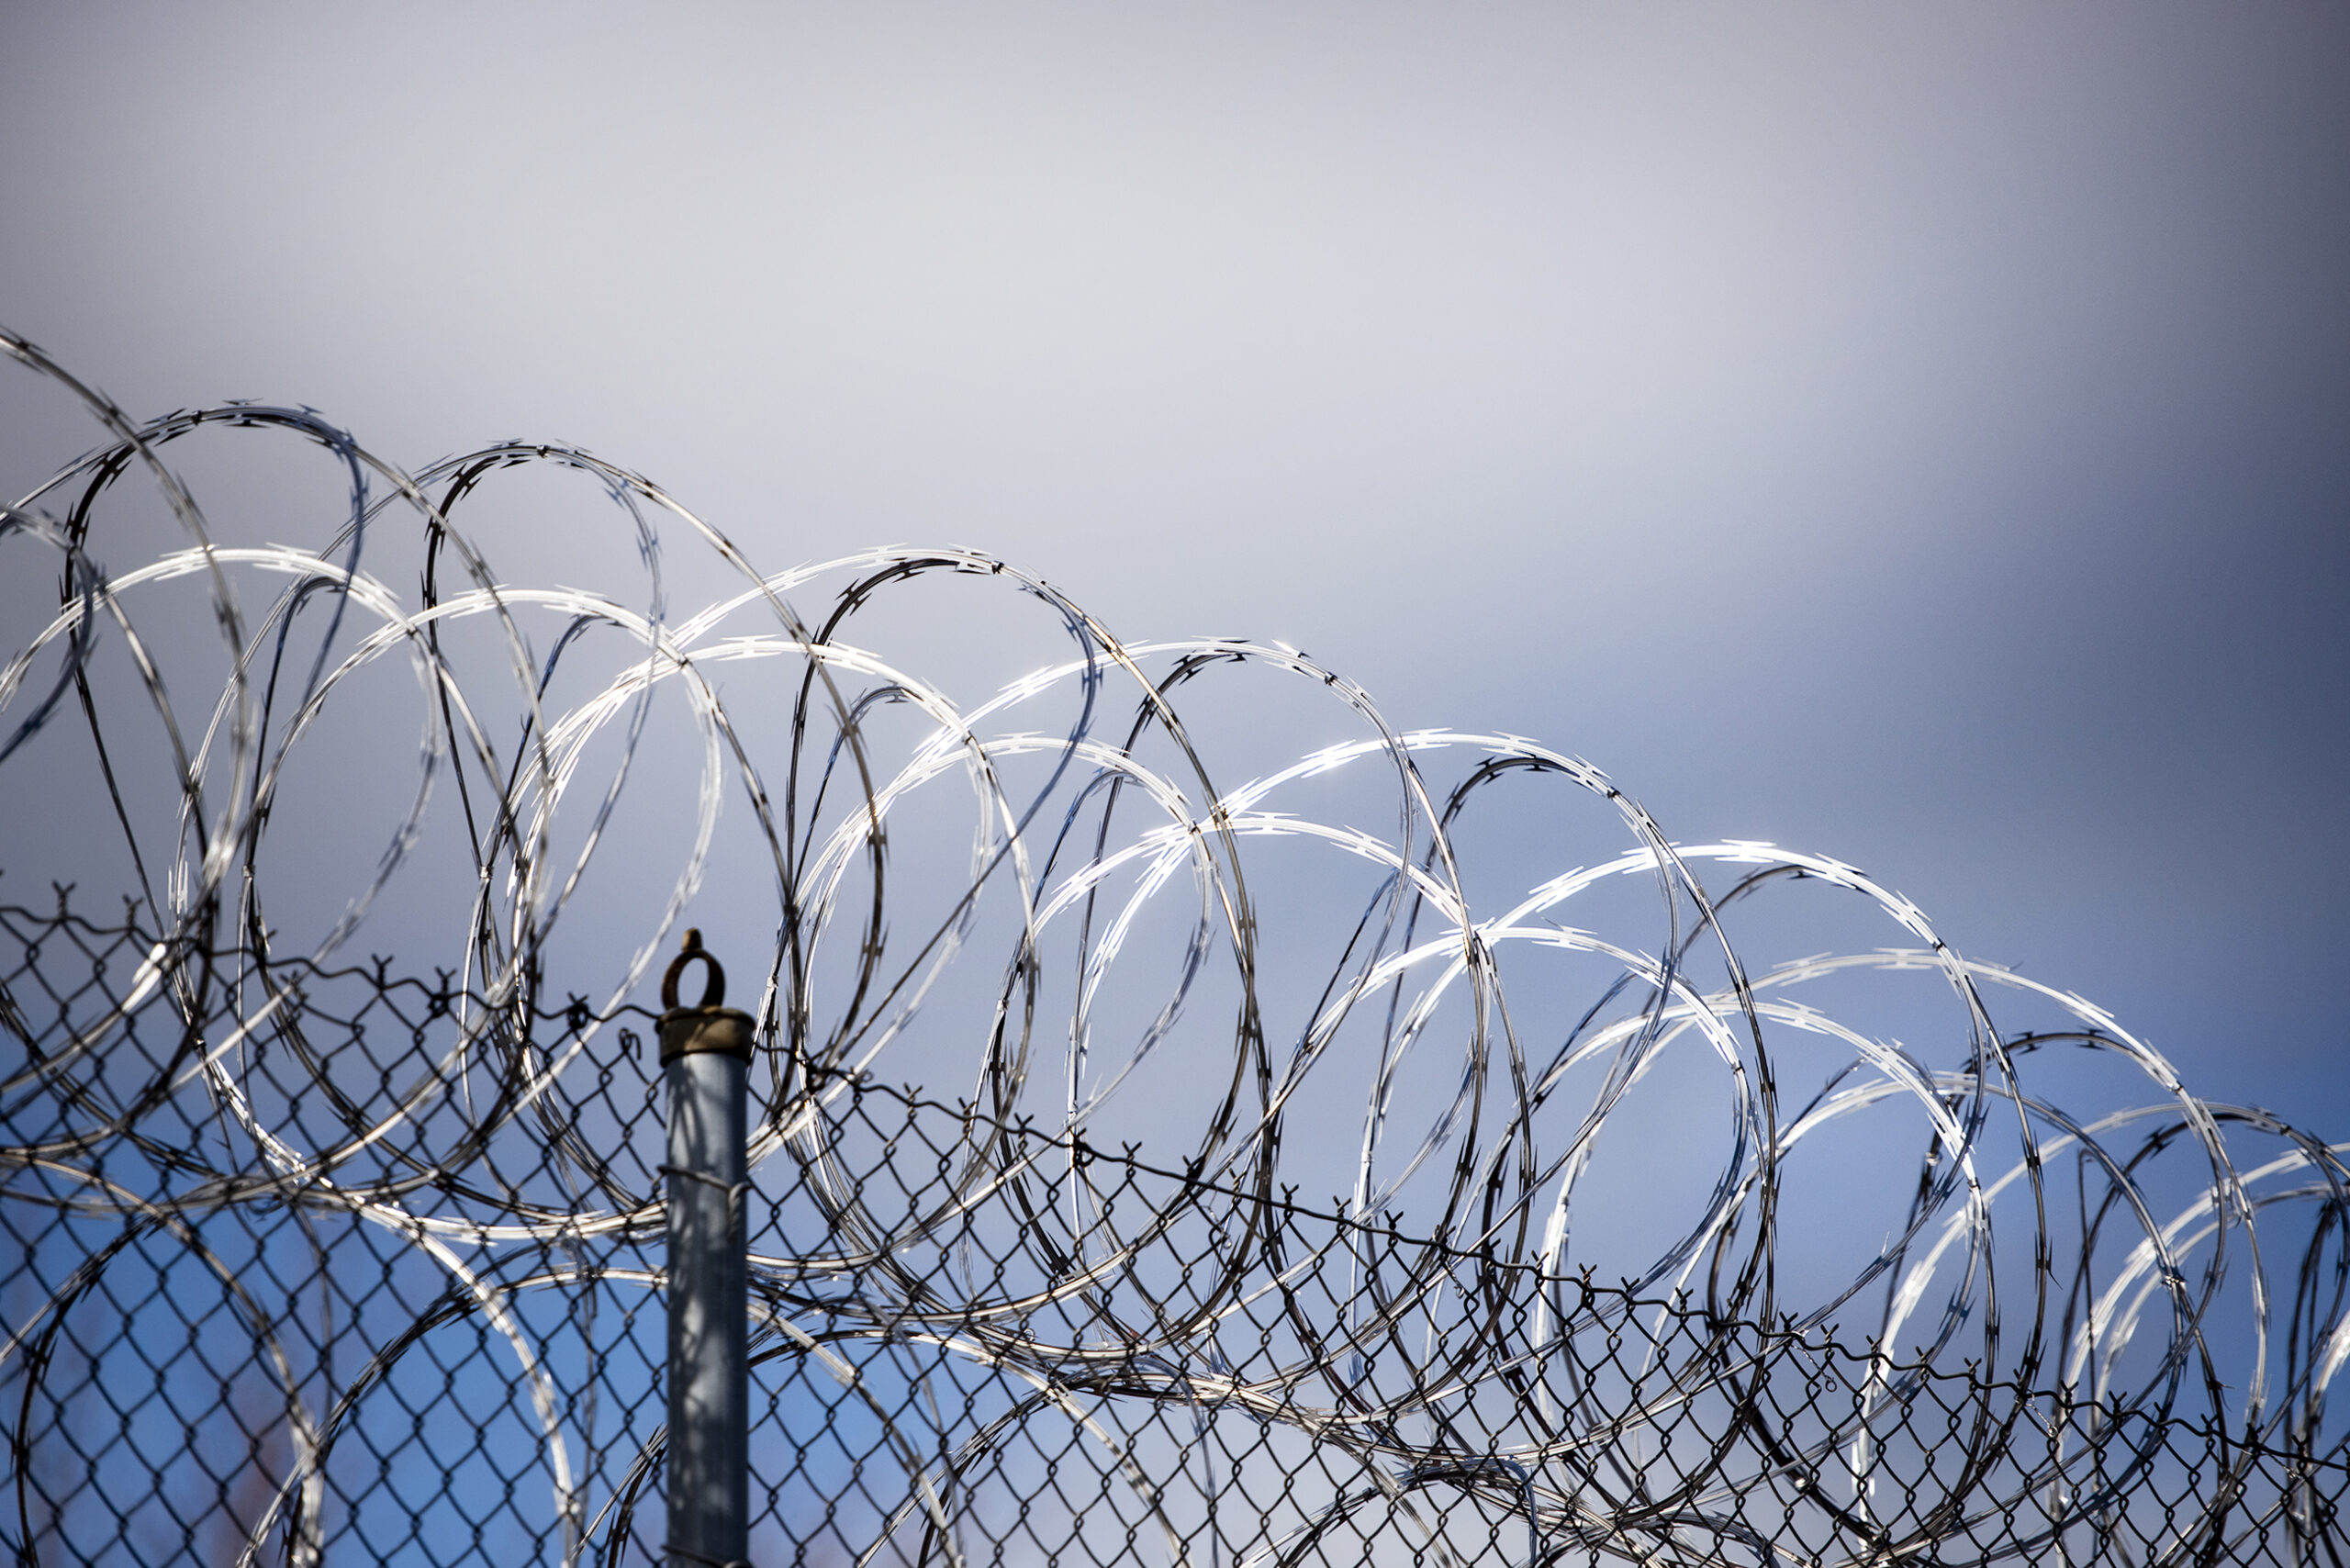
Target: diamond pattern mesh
x: 976, y: 1340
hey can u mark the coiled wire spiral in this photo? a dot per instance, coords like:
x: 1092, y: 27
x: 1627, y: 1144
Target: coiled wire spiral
x: 1056, y: 901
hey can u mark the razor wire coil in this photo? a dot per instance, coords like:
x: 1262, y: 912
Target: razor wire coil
x: 333, y: 1256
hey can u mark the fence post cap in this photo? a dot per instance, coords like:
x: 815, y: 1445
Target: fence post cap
x: 688, y: 1030
x: 708, y: 1028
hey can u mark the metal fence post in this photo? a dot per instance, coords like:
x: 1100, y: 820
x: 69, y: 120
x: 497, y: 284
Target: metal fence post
x: 705, y: 1052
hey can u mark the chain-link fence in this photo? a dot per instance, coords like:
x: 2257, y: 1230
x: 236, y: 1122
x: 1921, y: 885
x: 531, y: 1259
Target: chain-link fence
x: 341, y: 1265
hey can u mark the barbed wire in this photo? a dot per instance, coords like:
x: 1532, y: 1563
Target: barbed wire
x: 1282, y: 1191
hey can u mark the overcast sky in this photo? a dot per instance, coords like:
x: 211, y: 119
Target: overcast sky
x: 1919, y: 433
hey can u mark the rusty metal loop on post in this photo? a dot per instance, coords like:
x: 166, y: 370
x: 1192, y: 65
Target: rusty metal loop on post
x: 713, y: 990
x: 709, y: 1026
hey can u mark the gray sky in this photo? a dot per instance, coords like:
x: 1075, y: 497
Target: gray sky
x: 1915, y: 433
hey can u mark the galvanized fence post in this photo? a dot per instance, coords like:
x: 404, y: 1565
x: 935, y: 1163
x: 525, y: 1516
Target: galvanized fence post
x: 705, y: 1053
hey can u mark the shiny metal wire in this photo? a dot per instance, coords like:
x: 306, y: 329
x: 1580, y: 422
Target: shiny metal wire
x: 1212, y: 1192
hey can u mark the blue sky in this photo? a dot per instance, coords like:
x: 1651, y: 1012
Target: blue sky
x: 1915, y: 434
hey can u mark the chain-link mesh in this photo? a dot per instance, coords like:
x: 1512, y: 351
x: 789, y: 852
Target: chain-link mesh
x: 432, y: 1334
